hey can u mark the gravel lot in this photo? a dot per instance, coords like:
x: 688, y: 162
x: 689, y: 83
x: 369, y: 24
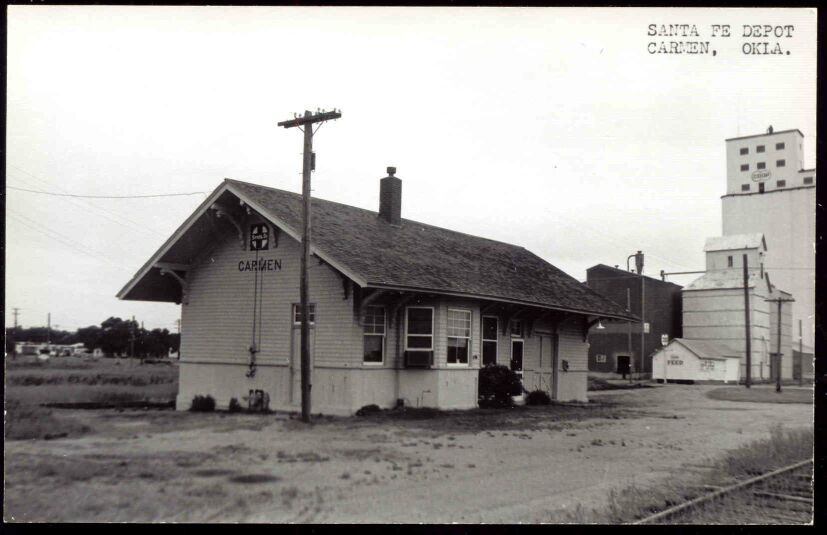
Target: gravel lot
x: 527, y: 466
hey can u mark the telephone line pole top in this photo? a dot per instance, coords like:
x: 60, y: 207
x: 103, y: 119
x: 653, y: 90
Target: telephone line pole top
x: 310, y: 118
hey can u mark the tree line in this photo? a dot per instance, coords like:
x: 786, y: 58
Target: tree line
x: 112, y: 336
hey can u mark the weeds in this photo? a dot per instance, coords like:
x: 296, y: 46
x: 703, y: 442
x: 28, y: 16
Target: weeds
x: 202, y: 404
x: 24, y: 422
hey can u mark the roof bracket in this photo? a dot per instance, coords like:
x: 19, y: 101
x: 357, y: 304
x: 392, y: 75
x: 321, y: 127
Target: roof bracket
x: 220, y: 212
x: 345, y: 287
x: 366, y: 301
x: 181, y: 280
x: 512, y: 314
x: 398, y: 304
x: 588, y: 325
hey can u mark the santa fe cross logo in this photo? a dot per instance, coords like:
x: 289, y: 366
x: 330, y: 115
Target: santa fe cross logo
x: 259, y: 237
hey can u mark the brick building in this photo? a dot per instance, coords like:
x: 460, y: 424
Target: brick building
x: 609, y: 347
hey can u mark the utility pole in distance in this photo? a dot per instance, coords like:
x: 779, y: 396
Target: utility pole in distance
x: 746, y: 322
x: 308, y: 161
x: 16, y: 312
x: 132, y: 339
x: 777, y: 355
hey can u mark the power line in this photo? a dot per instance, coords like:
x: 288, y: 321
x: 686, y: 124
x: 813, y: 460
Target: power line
x: 107, y: 196
x: 119, y: 218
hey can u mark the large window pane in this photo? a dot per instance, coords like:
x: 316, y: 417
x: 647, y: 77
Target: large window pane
x: 373, y: 348
x: 420, y: 321
x: 458, y: 351
x: 459, y: 323
x: 489, y: 328
x: 489, y: 352
x: 374, y: 321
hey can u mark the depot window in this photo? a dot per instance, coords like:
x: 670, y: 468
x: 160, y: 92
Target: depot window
x: 780, y: 163
x: 490, y: 326
x: 419, y: 328
x: 779, y: 146
x: 744, y: 167
x: 744, y: 187
x: 459, y: 335
x: 517, y: 328
x: 759, y: 148
x: 374, y: 334
x: 744, y: 150
x: 761, y: 165
x: 297, y: 313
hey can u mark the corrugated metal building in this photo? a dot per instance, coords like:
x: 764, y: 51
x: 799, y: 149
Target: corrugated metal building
x: 714, y: 308
x: 399, y: 309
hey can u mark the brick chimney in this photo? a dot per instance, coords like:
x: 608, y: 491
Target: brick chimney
x: 390, y: 198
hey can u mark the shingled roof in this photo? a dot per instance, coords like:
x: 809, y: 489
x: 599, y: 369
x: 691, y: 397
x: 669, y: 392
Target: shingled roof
x: 417, y: 256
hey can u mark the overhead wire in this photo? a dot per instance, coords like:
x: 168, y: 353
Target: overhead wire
x: 35, y: 226
x: 113, y: 217
x: 150, y: 196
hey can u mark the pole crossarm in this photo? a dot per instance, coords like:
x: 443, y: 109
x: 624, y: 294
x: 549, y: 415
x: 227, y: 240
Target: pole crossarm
x: 317, y: 118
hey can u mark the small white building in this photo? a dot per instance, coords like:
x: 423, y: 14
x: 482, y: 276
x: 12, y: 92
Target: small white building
x: 695, y: 361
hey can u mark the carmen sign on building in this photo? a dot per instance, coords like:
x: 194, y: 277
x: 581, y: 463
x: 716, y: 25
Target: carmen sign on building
x: 259, y: 237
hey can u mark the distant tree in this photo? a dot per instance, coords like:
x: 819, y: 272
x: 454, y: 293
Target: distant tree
x: 90, y: 336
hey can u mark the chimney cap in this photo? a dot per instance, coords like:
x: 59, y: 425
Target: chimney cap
x: 391, y: 171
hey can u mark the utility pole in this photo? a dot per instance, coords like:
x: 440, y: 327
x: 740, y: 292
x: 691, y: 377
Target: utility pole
x: 746, y: 321
x: 16, y: 311
x: 49, y: 328
x: 308, y: 162
x: 777, y: 354
x: 629, y: 330
x: 132, y: 339
x: 639, y: 267
x: 800, y: 355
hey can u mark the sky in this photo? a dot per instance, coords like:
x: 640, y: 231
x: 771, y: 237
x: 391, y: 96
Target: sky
x: 550, y: 128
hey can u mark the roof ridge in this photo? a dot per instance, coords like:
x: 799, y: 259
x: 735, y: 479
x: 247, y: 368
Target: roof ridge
x: 375, y: 213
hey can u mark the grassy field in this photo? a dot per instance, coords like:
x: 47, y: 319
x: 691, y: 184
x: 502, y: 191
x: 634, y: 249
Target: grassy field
x: 31, y: 384
x: 762, y: 394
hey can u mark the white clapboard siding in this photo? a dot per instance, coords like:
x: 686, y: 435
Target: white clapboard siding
x: 217, y: 323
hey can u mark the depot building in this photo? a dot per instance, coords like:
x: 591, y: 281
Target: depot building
x: 400, y: 311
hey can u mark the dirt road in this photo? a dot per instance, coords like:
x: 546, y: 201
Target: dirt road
x: 529, y: 466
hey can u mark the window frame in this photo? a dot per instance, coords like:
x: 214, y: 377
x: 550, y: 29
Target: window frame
x: 745, y: 187
x: 808, y: 180
x: 780, y: 183
x: 744, y: 167
x: 760, y: 148
x: 761, y: 165
x: 483, y: 339
x: 383, y: 335
x: 781, y: 163
x: 311, y: 317
x: 780, y: 145
x: 743, y: 151
x: 469, y: 337
x: 729, y: 261
x: 431, y: 336
x: 511, y: 329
